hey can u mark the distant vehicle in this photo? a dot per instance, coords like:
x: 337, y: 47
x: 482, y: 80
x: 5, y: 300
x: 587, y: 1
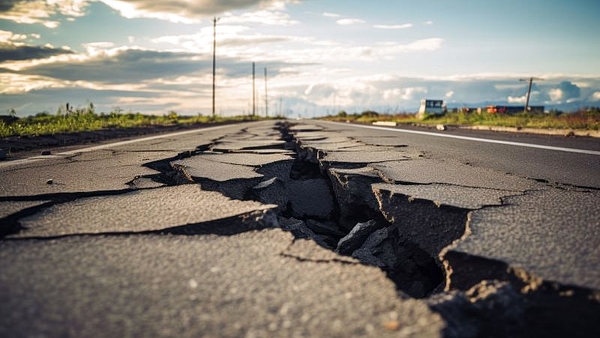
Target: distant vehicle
x: 513, y: 109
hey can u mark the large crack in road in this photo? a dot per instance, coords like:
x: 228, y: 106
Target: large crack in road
x: 405, y: 226
x: 358, y: 209
x: 381, y: 204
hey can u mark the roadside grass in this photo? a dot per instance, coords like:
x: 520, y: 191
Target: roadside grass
x: 582, y: 120
x: 87, y: 120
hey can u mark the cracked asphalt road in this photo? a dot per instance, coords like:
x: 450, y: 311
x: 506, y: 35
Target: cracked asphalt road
x: 236, y: 231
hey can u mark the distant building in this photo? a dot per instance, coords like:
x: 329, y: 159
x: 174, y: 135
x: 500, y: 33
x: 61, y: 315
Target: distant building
x: 431, y: 107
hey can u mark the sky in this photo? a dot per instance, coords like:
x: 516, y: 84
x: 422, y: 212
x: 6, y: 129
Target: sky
x: 320, y: 56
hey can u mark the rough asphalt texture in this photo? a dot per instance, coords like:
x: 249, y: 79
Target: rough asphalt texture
x: 308, y: 229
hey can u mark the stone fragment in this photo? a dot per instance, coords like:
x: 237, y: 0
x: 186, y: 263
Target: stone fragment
x: 299, y: 229
x: 329, y: 229
x: 377, y: 250
x: 357, y: 236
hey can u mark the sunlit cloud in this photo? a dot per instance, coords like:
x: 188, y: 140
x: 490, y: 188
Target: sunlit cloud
x: 183, y: 11
x: 41, y: 12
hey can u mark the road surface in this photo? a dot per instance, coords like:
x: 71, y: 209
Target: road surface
x: 304, y: 228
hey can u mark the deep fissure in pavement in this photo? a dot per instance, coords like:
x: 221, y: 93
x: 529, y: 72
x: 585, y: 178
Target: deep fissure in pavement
x: 344, y: 212
x: 358, y: 227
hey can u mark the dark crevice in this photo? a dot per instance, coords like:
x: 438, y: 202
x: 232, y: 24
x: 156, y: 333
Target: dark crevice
x: 406, y: 242
x: 487, y: 298
x: 356, y: 227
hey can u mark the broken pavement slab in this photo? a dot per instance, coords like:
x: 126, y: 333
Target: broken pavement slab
x: 137, y: 211
x: 78, y: 173
x: 532, y: 233
x: 201, y: 167
x: 247, y: 159
x: 445, y: 194
x: 360, y: 157
x: 229, y: 166
x: 189, y: 286
x: 428, y: 171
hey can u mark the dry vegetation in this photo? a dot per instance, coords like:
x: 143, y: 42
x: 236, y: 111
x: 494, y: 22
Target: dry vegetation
x: 585, y: 119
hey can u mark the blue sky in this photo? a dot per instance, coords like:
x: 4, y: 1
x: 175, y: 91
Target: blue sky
x: 322, y: 56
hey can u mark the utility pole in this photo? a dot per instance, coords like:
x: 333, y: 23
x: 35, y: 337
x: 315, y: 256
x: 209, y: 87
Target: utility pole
x: 214, y: 63
x: 253, y: 90
x: 530, y: 80
x: 266, y: 96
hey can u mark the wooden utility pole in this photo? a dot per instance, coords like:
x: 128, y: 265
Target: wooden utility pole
x: 266, y: 96
x: 253, y: 90
x: 214, y: 64
x: 530, y: 80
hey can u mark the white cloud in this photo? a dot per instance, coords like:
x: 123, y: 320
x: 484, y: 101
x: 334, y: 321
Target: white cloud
x: 431, y: 44
x: 5, y: 36
x: 39, y: 12
x: 409, y: 93
x: 595, y: 96
x: 403, y: 26
x: 348, y: 22
x: 518, y: 99
x: 556, y: 95
x: 185, y: 11
x: 449, y: 94
x: 331, y: 15
x: 264, y: 17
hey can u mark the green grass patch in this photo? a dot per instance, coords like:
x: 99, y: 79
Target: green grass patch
x: 87, y: 120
